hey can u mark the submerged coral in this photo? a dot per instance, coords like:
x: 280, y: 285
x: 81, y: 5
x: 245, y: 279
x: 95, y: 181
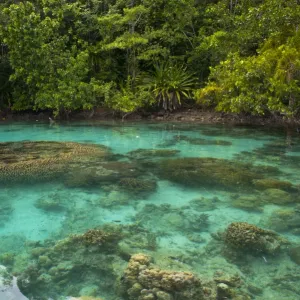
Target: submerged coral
x: 200, y: 141
x: 152, y: 153
x: 269, y: 183
x: 279, y: 197
x: 284, y: 220
x: 243, y: 236
x: 98, y: 237
x: 209, y: 172
x: 87, y: 264
x: 138, y: 186
x: 99, y: 173
x: 6, y: 211
x: 39, y: 161
x: 69, y: 266
x: 114, y: 198
x: 204, y: 204
x: 247, y: 202
x: 295, y: 254
x: 52, y: 202
x: 142, y: 281
x: 167, y: 216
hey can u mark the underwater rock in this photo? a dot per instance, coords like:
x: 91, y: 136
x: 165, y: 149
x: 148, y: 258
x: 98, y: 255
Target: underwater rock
x: 143, y: 280
x: 295, y: 254
x: 246, y: 237
x: 209, y: 172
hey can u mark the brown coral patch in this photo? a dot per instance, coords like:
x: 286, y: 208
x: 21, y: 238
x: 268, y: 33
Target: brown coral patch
x: 250, y: 238
x: 209, y: 172
x: 146, y: 281
x: 40, y: 161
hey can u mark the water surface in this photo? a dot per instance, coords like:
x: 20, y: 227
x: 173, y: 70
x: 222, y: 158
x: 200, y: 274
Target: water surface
x: 153, y: 201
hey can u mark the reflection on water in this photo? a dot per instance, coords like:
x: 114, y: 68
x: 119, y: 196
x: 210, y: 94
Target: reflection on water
x: 150, y: 211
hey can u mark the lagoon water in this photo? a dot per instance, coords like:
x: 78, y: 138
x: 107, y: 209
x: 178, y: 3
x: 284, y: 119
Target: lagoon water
x: 170, y: 214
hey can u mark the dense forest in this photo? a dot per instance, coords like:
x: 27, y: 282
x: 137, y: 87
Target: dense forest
x: 231, y: 55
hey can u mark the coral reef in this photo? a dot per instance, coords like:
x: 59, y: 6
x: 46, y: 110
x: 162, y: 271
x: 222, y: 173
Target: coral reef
x: 84, y: 298
x: 137, y: 239
x: 7, y: 258
x: 295, y: 254
x: 138, y: 186
x: 167, y: 216
x: 200, y: 141
x: 87, y: 177
x: 6, y: 211
x: 98, y: 237
x: 210, y: 172
x: 52, y: 202
x: 256, y: 200
x: 143, y: 281
x: 99, y: 173
x: 70, y: 266
x: 251, y: 202
x: 114, y: 198
x: 204, y: 204
x: 269, y: 183
x: 280, y: 197
x: 284, y: 220
x: 250, y: 238
x: 40, y: 161
x: 80, y: 265
x: 152, y: 153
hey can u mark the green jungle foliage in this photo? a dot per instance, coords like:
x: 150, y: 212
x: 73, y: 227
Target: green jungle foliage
x: 233, y: 55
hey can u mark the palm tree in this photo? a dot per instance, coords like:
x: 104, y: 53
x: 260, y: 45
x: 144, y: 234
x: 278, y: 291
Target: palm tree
x: 170, y: 84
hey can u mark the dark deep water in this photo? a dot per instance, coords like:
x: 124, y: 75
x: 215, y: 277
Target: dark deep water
x: 77, y: 200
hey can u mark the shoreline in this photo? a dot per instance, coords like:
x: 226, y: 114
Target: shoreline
x: 197, y: 116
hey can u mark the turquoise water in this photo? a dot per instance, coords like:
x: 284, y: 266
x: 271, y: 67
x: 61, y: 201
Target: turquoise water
x: 154, y: 202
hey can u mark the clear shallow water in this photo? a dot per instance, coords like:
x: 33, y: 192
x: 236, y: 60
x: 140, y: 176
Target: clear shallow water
x: 169, y: 217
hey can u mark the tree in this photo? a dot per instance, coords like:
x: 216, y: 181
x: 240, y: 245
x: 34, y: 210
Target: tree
x: 267, y: 82
x: 48, y: 58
